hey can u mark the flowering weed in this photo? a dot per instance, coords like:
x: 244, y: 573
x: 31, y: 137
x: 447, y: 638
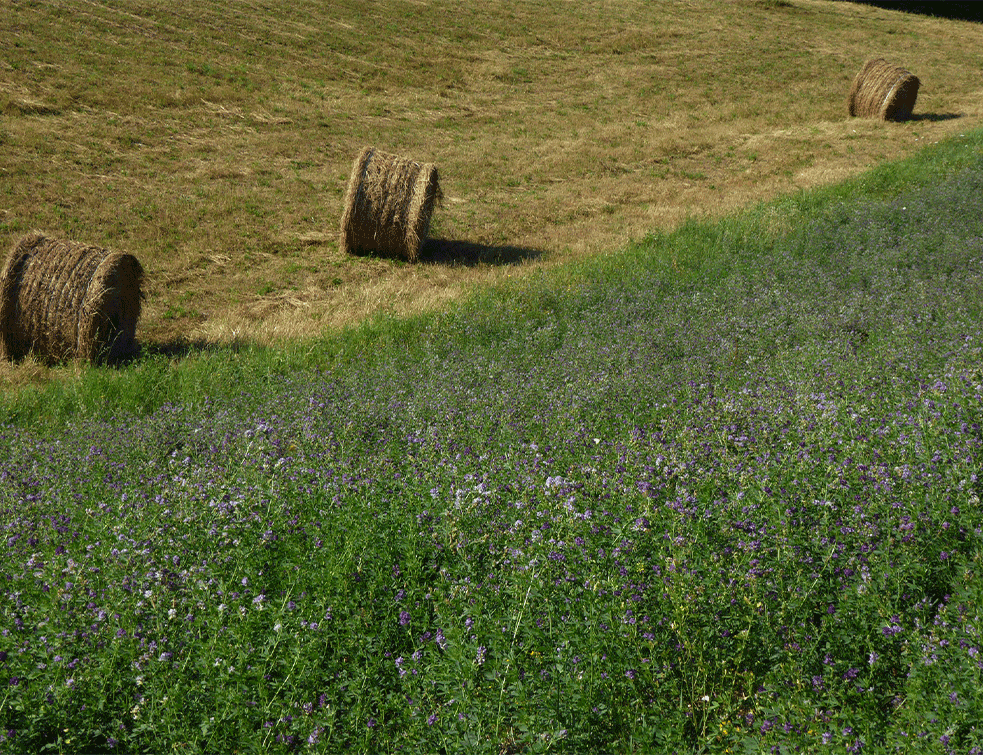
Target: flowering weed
x: 733, y: 506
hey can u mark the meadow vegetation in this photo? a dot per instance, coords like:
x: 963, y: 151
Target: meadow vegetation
x: 718, y: 492
x: 715, y: 490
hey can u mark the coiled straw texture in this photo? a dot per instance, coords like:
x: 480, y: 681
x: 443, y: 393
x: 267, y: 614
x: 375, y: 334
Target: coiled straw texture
x: 883, y: 91
x: 65, y: 300
x: 388, y: 205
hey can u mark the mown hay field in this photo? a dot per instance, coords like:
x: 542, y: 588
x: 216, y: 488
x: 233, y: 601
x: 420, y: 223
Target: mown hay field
x: 215, y: 141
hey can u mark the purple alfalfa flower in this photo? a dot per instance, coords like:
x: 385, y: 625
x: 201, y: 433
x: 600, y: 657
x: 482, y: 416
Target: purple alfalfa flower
x: 111, y: 743
x: 370, y: 724
x: 432, y: 719
x: 480, y: 657
x: 441, y: 640
x: 399, y: 667
x: 404, y: 618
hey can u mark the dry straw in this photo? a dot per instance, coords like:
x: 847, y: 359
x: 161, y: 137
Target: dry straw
x: 883, y: 91
x: 388, y: 204
x: 64, y: 300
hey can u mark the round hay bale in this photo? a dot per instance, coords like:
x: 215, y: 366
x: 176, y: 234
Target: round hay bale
x: 883, y: 91
x: 388, y: 205
x: 64, y: 300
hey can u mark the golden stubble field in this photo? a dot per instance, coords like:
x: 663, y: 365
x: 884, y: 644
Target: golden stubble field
x: 214, y: 140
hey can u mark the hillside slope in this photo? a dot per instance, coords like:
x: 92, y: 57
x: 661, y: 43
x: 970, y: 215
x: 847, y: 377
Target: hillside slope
x: 214, y: 142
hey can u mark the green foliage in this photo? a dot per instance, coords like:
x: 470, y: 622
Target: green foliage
x: 717, y: 492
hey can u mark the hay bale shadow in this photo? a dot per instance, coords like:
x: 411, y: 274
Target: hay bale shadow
x: 470, y: 254
x: 935, y: 117
x: 179, y: 348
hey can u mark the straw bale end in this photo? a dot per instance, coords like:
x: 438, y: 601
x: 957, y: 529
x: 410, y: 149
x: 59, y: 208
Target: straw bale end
x: 64, y: 300
x: 883, y: 91
x: 388, y: 205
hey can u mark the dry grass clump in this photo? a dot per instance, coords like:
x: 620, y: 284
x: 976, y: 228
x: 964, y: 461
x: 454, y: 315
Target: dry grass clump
x: 883, y: 91
x: 388, y: 205
x: 65, y: 300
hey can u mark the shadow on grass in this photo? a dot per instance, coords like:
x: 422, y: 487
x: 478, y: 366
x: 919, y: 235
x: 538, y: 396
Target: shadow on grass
x: 178, y: 348
x: 465, y: 253
x: 469, y: 253
x: 965, y: 11
x: 934, y: 117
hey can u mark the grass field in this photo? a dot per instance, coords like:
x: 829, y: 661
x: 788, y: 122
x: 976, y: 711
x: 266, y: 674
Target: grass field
x: 716, y: 490
x: 215, y: 142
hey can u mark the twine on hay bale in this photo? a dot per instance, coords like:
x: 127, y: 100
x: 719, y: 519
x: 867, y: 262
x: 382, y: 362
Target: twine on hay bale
x: 64, y: 300
x: 883, y: 91
x: 388, y: 204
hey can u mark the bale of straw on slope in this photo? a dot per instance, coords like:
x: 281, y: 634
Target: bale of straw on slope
x: 388, y: 205
x: 64, y: 300
x: 883, y: 91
